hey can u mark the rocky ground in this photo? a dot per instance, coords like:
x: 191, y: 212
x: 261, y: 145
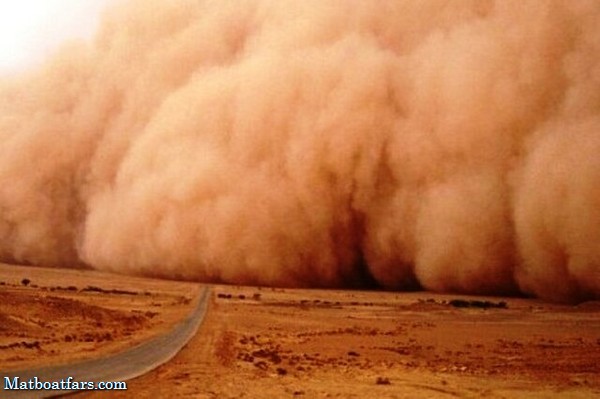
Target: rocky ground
x: 50, y: 317
x: 277, y: 343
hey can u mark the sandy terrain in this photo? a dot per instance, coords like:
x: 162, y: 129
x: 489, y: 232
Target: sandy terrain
x: 274, y: 343
x: 55, y: 316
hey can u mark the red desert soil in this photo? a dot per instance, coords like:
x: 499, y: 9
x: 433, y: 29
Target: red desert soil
x: 276, y: 343
x: 50, y: 316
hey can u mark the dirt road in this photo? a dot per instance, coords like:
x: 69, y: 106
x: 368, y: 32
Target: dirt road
x: 116, y: 364
x: 264, y: 343
x: 278, y: 343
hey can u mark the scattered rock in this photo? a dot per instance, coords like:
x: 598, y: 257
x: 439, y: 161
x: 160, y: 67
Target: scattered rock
x: 463, y: 303
x: 382, y: 381
x: 91, y: 288
x: 261, y: 365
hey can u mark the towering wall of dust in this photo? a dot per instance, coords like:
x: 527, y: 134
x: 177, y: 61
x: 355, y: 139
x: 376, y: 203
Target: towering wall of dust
x: 455, y: 145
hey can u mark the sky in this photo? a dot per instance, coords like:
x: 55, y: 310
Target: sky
x: 32, y: 29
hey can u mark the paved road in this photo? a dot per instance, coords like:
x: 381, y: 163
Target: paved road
x: 121, y: 366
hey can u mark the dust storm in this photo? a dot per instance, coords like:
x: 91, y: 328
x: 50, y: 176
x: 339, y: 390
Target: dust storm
x: 453, y: 146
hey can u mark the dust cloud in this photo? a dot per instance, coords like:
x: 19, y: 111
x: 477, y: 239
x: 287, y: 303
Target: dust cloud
x: 449, y: 145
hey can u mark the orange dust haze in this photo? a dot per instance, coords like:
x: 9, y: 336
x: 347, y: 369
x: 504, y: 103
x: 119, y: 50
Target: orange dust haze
x: 449, y: 145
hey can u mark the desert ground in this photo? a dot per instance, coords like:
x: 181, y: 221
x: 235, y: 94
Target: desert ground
x: 275, y: 343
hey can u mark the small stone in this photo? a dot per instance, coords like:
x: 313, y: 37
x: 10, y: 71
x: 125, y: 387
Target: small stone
x: 382, y: 381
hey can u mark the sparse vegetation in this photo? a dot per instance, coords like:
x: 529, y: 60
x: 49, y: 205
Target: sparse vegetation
x: 462, y: 303
x: 382, y: 381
